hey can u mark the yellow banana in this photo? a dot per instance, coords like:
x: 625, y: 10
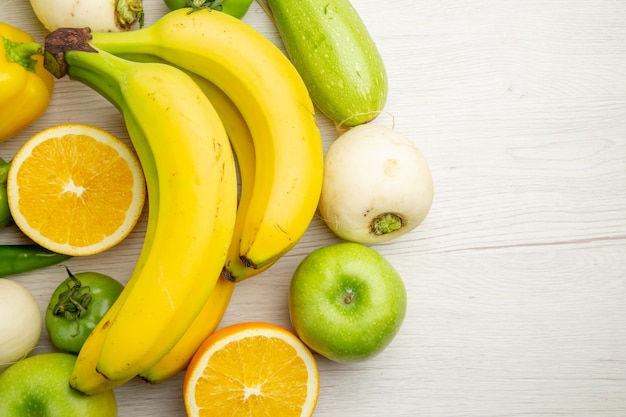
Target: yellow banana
x: 275, y: 103
x: 204, y: 325
x: 84, y: 377
x: 197, y: 192
x: 211, y: 315
x: 198, y: 202
x: 243, y: 145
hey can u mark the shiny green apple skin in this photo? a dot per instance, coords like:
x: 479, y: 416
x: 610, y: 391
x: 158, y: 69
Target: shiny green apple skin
x: 39, y: 386
x: 346, y: 302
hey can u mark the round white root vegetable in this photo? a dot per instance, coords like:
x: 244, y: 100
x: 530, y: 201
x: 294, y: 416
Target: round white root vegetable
x: 98, y: 15
x: 21, y: 323
x: 377, y: 185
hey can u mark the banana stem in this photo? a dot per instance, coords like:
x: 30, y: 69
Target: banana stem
x: 118, y: 45
x: 69, y: 48
x: 98, y: 83
x: 61, y: 41
x: 68, y: 52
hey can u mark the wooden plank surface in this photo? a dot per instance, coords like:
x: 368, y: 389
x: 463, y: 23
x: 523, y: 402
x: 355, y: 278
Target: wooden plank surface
x: 517, y: 278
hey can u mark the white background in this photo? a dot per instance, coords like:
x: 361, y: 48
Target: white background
x: 517, y: 278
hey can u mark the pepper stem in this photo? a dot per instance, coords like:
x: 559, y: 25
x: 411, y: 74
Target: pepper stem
x: 385, y: 223
x: 21, y: 52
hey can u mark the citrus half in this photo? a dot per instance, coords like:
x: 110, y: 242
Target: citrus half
x: 252, y: 369
x: 75, y: 189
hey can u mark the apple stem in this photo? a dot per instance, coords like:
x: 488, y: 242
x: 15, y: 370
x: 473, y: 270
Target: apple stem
x: 349, y: 297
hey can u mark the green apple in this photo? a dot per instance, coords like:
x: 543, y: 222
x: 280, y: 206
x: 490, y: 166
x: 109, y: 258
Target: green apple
x: 346, y: 302
x: 39, y: 386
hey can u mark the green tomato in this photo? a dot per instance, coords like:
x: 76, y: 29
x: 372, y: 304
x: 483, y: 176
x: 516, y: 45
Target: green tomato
x: 235, y: 8
x: 76, y: 307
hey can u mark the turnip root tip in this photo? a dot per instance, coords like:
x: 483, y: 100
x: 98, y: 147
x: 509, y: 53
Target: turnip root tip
x: 386, y: 223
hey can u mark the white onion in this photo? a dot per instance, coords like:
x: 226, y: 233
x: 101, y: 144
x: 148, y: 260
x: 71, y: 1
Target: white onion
x: 21, y: 322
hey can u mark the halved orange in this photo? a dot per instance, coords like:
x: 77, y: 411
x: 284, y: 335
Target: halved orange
x: 75, y: 189
x: 252, y: 369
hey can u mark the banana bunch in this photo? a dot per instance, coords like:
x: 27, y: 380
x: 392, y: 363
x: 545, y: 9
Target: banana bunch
x: 276, y: 106
x: 201, y: 94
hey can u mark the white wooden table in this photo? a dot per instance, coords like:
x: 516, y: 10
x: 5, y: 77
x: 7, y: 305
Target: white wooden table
x: 517, y: 278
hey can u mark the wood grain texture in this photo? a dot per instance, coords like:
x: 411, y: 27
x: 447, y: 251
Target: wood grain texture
x: 517, y: 278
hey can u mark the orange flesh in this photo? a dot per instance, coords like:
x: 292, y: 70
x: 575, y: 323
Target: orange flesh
x: 270, y: 381
x: 56, y: 183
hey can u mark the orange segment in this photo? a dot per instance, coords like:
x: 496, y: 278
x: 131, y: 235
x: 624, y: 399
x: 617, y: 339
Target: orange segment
x: 75, y: 189
x: 252, y: 369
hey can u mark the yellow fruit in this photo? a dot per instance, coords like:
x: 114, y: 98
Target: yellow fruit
x: 202, y: 327
x: 75, y: 189
x: 275, y: 104
x: 252, y: 369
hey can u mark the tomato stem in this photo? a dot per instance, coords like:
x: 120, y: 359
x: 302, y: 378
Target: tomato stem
x: 74, y: 301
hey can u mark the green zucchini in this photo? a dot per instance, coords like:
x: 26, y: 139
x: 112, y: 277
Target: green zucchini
x: 328, y: 43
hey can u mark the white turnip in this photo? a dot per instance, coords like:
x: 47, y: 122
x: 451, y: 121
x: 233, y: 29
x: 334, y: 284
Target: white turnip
x: 21, y: 322
x: 377, y: 185
x: 98, y: 15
